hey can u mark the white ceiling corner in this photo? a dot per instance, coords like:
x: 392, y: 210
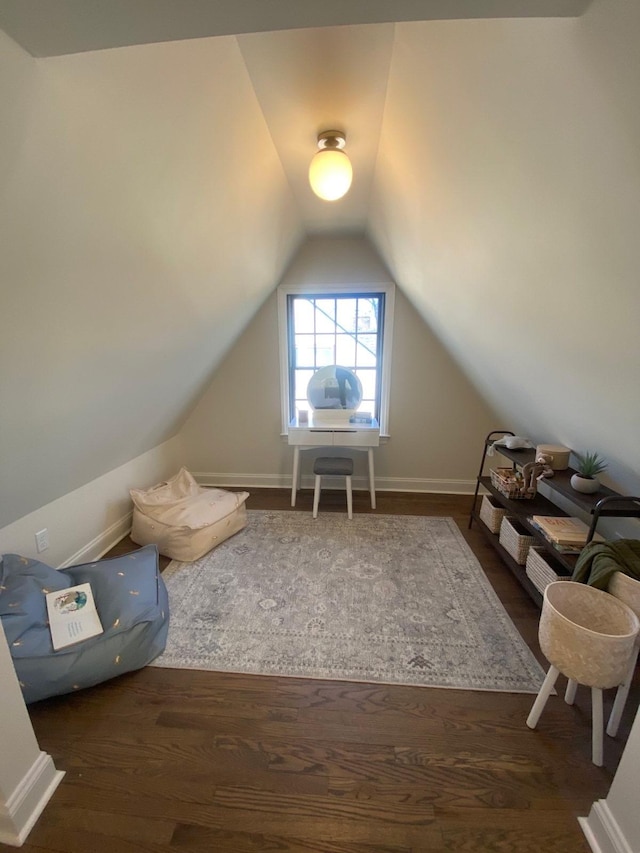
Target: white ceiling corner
x: 339, y: 83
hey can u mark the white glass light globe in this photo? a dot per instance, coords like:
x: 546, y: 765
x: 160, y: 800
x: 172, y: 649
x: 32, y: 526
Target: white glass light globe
x: 330, y: 174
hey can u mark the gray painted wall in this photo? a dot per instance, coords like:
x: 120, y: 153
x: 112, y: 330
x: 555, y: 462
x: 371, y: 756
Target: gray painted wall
x: 507, y: 209
x: 138, y: 240
x: 437, y: 419
x: 140, y: 229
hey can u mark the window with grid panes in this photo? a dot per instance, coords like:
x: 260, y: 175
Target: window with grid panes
x: 344, y: 327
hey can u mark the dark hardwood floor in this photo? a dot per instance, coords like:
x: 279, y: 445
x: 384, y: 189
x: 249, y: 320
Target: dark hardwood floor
x: 170, y: 760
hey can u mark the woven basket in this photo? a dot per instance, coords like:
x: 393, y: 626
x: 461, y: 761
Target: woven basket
x: 539, y: 571
x: 515, y: 540
x: 504, y: 480
x: 587, y: 634
x: 491, y: 514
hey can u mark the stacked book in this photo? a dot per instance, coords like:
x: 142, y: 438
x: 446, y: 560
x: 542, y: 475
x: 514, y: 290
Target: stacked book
x: 565, y: 533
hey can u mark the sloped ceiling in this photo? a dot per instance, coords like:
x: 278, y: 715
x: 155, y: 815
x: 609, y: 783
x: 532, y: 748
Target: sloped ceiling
x: 311, y: 80
x: 140, y: 229
x: 518, y: 243
x: 313, y: 66
x: 54, y: 27
x: 153, y: 195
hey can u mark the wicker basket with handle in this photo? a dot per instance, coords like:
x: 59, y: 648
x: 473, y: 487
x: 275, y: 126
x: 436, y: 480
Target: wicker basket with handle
x: 509, y: 484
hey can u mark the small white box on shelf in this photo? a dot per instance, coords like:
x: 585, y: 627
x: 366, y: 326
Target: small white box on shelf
x: 515, y: 539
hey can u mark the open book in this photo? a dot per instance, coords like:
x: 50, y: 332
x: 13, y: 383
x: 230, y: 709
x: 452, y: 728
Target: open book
x: 72, y: 615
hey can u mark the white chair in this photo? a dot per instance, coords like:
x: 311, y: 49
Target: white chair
x: 589, y: 636
x: 332, y: 466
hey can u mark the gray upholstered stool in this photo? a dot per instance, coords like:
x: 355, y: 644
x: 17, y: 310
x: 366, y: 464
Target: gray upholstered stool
x: 333, y: 466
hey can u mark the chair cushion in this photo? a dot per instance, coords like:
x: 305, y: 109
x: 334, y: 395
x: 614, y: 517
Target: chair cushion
x: 336, y: 465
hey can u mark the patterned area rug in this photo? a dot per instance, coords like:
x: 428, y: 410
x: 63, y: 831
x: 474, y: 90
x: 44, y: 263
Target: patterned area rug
x: 380, y: 598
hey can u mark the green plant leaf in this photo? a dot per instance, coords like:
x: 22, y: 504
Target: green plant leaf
x: 590, y: 464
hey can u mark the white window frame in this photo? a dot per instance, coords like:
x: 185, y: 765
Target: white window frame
x: 389, y: 290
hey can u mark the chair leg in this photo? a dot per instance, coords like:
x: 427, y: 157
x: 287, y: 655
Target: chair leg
x: 570, y: 692
x: 543, y: 695
x: 349, y: 497
x: 316, y: 495
x: 597, y: 723
x: 621, y: 696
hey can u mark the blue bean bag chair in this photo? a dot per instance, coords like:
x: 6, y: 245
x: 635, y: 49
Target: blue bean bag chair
x: 132, y: 603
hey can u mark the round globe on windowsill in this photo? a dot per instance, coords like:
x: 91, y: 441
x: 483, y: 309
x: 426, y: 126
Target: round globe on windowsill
x: 334, y: 394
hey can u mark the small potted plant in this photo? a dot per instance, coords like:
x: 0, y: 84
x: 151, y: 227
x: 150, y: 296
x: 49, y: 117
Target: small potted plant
x: 588, y: 468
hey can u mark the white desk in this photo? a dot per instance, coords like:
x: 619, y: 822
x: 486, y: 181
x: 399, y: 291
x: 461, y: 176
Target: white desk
x: 324, y: 433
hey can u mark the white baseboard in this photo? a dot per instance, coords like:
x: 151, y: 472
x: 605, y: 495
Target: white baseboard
x: 102, y: 543
x: 383, y: 484
x: 602, y: 830
x: 242, y: 481
x: 27, y: 802
x: 102, y: 508
x: 433, y: 486
x: 85, y: 523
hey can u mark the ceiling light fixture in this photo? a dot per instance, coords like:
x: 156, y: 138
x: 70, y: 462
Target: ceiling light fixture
x: 330, y: 172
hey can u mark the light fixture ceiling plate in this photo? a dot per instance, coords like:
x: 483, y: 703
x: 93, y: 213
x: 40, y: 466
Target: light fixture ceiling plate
x: 332, y: 139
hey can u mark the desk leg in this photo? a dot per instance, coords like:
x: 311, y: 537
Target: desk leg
x: 296, y: 468
x: 372, y: 481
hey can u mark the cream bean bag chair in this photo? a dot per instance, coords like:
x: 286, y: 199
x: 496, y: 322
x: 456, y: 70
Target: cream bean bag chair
x: 184, y: 519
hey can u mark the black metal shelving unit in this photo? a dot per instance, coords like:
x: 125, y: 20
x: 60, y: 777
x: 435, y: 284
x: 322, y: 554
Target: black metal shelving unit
x: 603, y: 503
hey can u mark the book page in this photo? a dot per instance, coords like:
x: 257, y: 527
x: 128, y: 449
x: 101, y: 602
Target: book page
x: 72, y: 615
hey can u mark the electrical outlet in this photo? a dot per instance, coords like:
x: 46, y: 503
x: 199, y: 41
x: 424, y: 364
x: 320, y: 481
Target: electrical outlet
x: 42, y: 540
